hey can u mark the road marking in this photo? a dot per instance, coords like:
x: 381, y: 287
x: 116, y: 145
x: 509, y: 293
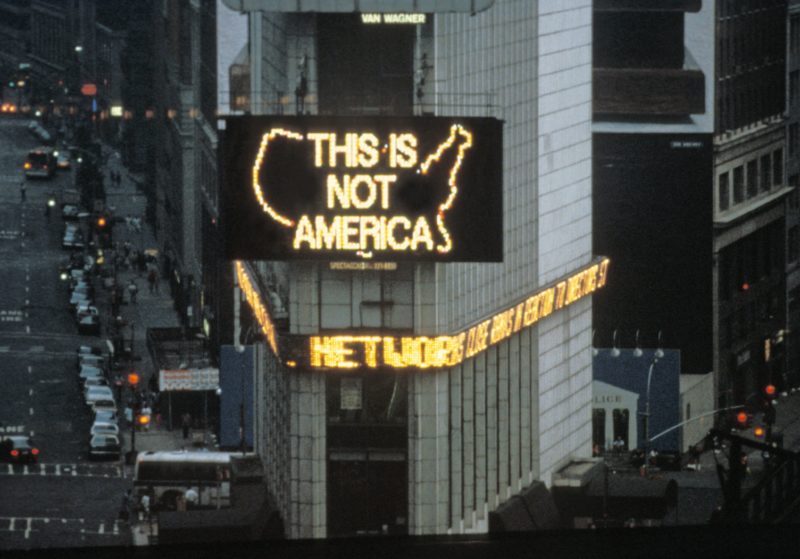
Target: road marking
x: 28, y: 529
x: 42, y: 469
x: 4, y: 349
x: 27, y: 289
x: 30, y: 392
x: 116, y: 527
x: 30, y: 368
x: 31, y: 411
x: 36, y: 349
x: 58, y: 469
x: 28, y: 329
x: 31, y: 435
x: 102, y: 528
x: 11, y: 524
x: 25, y: 470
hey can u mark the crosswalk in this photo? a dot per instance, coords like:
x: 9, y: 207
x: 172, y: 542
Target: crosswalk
x: 72, y: 470
x: 31, y: 524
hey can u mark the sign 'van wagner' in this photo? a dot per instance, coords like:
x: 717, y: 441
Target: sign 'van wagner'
x: 362, y: 188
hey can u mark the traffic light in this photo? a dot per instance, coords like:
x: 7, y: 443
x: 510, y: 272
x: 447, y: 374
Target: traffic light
x: 759, y: 432
x: 143, y: 420
x: 742, y: 420
x: 133, y: 379
x: 770, y: 391
x: 101, y: 222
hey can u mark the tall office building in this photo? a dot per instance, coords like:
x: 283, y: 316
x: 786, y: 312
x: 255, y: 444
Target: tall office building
x: 417, y: 396
x: 690, y: 187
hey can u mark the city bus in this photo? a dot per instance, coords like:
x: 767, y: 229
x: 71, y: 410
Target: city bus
x: 40, y: 162
x: 167, y: 475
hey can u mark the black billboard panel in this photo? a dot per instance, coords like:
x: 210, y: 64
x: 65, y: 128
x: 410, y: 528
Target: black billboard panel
x: 362, y: 188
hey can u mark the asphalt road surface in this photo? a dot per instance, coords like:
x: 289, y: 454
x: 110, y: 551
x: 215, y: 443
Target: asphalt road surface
x: 65, y: 500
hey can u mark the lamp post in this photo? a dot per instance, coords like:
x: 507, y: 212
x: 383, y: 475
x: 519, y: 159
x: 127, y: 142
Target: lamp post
x: 656, y: 356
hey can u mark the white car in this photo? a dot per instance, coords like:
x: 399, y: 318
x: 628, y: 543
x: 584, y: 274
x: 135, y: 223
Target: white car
x: 98, y: 405
x: 93, y: 393
x: 104, y: 428
x: 95, y: 381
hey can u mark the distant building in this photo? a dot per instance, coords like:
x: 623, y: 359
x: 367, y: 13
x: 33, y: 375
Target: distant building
x: 690, y: 187
x: 428, y: 450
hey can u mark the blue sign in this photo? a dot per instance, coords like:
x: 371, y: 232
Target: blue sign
x: 629, y: 372
x: 236, y: 381
x: 94, y: 104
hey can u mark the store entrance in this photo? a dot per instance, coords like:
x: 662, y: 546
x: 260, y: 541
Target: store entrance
x: 367, y: 442
x: 367, y: 494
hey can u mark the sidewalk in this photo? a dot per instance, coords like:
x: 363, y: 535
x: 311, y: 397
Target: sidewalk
x: 151, y: 310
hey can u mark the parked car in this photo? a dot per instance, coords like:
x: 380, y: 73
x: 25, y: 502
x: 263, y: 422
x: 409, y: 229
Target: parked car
x: 82, y: 310
x: 104, y: 446
x: 105, y: 415
x: 95, y: 381
x: 77, y: 298
x: 89, y: 325
x: 104, y: 405
x: 89, y: 350
x: 72, y: 240
x: 91, y: 359
x: 88, y: 371
x: 18, y: 449
x: 104, y: 428
x: 94, y: 393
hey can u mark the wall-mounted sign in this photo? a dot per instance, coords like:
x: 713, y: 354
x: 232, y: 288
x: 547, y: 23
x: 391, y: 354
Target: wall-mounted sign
x: 188, y: 379
x: 365, y: 351
x: 257, y: 305
x: 394, y: 19
x: 362, y: 188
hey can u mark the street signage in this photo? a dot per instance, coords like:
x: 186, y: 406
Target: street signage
x: 362, y: 188
x: 188, y: 379
x: 89, y: 89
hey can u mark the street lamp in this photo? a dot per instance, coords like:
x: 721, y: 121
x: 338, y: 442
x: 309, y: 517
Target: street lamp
x: 656, y: 356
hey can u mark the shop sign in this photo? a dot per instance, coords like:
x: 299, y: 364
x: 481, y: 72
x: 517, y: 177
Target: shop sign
x: 365, y: 351
x: 188, y: 379
x: 362, y: 188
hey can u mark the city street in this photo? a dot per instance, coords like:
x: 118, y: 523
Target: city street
x: 64, y: 500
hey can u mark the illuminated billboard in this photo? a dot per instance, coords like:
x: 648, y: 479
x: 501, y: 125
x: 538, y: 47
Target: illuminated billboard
x: 362, y: 188
x: 365, y: 351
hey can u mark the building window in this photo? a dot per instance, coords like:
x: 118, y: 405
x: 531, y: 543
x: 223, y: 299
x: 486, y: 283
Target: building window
x: 724, y: 197
x: 777, y: 167
x: 794, y: 243
x: 794, y: 84
x: 766, y: 175
x: 794, y: 135
x: 738, y: 184
x: 794, y: 35
x: 752, y: 178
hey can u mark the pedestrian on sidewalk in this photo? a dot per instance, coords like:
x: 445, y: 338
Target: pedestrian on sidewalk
x: 125, y: 508
x: 186, y: 423
x: 22, y: 188
x: 151, y: 279
x: 133, y: 290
